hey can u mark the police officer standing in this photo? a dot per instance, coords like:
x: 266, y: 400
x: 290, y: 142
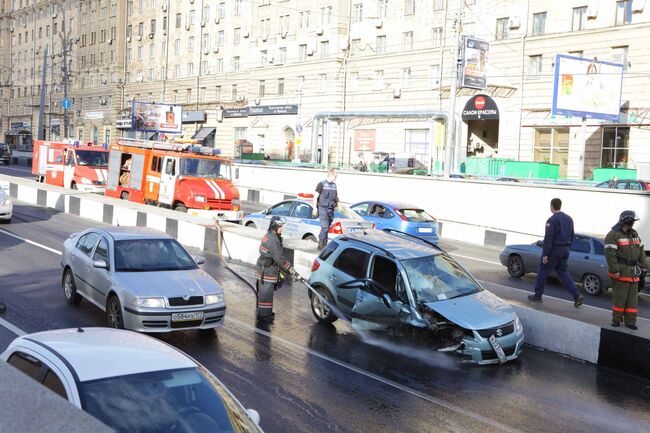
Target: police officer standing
x: 555, y: 254
x: 326, y: 202
x: 272, y: 268
x: 625, y: 262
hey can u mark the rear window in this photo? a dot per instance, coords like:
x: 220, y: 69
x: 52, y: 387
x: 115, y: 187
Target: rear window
x: 352, y: 262
x: 328, y: 250
x: 416, y: 215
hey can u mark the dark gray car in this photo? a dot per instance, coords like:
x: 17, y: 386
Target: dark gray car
x: 587, y: 263
x: 5, y: 153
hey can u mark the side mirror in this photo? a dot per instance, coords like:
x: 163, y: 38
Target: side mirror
x: 254, y: 415
x: 387, y: 301
x: 100, y: 264
x: 266, y: 212
x: 539, y: 243
x: 199, y: 260
x: 237, y: 173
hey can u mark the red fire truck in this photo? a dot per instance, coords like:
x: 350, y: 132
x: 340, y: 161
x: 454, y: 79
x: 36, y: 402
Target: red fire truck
x: 71, y: 165
x: 183, y: 177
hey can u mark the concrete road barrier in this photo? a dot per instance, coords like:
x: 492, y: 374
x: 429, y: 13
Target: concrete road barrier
x: 556, y: 325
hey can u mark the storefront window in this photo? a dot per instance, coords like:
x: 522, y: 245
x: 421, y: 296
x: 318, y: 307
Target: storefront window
x: 552, y: 146
x: 615, y: 146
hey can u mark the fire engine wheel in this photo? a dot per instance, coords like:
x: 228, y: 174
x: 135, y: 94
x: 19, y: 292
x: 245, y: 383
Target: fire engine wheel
x: 73, y: 185
x: 124, y: 195
x: 180, y: 208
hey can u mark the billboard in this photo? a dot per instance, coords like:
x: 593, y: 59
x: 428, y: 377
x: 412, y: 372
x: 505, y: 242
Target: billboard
x: 149, y: 117
x: 587, y: 88
x: 364, y: 140
x: 474, y: 63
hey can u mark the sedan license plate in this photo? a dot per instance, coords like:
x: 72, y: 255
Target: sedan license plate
x: 185, y: 317
x: 497, y: 349
x: 425, y: 230
x: 355, y: 229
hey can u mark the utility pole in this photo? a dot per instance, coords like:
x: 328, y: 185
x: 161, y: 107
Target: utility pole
x: 451, y: 119
x: 66, y: 126
x: 41, y: 112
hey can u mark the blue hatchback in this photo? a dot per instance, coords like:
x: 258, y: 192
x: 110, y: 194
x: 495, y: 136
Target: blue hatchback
x: 399, y: 216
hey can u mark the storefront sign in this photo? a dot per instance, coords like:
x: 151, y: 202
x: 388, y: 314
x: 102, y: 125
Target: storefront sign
x: 480, y: 107
x: 474, y: 63
x: 364, y: 140
x: 193, y: 116
x: 147, y: 117
x: 20, y: 125
x: 261, y: 110
x: 123, y: 124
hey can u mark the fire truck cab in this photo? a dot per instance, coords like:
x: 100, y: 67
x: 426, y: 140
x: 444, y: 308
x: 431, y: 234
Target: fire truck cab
x: 182, y: 177
x: 70, y: 165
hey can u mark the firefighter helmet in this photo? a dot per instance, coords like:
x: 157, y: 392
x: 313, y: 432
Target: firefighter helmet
x: 276, y: 222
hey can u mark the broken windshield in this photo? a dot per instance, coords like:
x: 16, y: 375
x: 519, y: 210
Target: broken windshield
x: 436, y: 278
x: 204, y: 167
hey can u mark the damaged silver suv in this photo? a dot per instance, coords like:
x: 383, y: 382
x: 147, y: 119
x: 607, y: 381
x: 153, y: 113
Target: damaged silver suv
x: 406, y: 286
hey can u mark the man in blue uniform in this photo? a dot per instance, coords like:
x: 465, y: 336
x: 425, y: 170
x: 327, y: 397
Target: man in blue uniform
x: 555, y: 254
x: 326, y: 202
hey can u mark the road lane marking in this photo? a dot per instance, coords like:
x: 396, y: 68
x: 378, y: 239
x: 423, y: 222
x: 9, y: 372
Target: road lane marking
x: 36, y: 244
x: 13, y: 328
x: 475, y: 259
x: 408, y: 390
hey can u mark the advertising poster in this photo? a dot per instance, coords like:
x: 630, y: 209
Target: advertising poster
x: 364, y: 140
x: 474, y: 63
x: 148, y: 117
x: 587, y: 88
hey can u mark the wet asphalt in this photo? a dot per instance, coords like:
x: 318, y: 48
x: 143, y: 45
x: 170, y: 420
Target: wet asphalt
x: 306, y: 377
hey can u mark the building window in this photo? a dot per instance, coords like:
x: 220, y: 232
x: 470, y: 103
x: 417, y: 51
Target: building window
x: 355, y: 48
x: 236, y: 36
x: 221, y: 38
x: 325, y: 16
x: 190, y: 44
x: 235, y: 63
x: 303, y: 20
x: 241, y: 133
x: 205, y: 42
x: 206, y: 67
x: 177, y: 46
x: 382, y: 8
x: 539, y: 23
x: 152, y: 51
x: 188, y: 97
x: 439, y: 5
x: 502, y: 29
x: 406, y: 77
x: 434, y: 75
x: 436, y: 37
x: 261, y: 88
x: 264, y: 57
x: 238, y: 7
x: 234, y: 93
x: 177, y: 71
x: 302, y: 53
x: 280, y: 86
x: 282, y: 55
x: 322, y: 79
x: 379, y: 79
x: 190, y: 69
x: 221, y: 10
x: 357, y: 13
x: 552, y: 146
x: 615, y: 146
x: 220, y: 65
x: 380, y: 44
x: 409, y: 7
x: 416, y: 143
x: 619, y: 55
x: 218, y: 93
x: 535, y: 68
x: 623, y: 12
x: 301, y: 82
x: 324, y: 49
x: 579, y: 18
x: 151, y: 74
x: 407, y: 41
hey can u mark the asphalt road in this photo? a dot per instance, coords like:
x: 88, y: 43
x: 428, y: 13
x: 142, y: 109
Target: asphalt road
x: 305, y: 377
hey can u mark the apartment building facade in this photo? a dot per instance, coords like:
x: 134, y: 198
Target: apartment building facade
x: 258, y: 71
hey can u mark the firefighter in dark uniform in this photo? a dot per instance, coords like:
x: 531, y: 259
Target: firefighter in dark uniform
x: 558, y: 238
x: 626, y: 261
x: 272, y: 269
x: 326, y: 202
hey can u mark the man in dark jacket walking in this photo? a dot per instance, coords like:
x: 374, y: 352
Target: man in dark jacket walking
x: 626, y: 261
x: 272, y: 268
x: 326, y: 202
x: 558, y: 238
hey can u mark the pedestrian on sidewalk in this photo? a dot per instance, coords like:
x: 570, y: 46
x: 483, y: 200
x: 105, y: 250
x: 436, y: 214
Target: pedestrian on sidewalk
x: 558, y: 238
x: 325, y: 203
x: 625, y: 263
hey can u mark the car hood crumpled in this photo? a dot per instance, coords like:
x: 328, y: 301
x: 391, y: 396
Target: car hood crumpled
x: 193, y: 282
x: 480, y: 310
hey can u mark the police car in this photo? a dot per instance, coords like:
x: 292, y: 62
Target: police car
x: 302, y: 223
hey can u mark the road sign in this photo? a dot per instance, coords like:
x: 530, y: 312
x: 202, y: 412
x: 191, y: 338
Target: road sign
x: 66, y: 104
x: 299, y: 128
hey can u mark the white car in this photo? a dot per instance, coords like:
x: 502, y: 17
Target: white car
x: 130, y: 382
x: 6, y: 207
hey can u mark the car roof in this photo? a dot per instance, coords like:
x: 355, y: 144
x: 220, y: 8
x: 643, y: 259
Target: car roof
x: 401, y: 246
x: 129, y: 232
x: 99, y: 353
x: 395, y: 204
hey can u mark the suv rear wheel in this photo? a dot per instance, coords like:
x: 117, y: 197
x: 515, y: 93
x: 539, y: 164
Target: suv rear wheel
x: 320, y: 306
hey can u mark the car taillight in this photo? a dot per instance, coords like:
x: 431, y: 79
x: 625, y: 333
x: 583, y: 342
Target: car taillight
x: 400, y: 215
x: 336, y: 229
x: 374, y: 226
x: 315, y: 266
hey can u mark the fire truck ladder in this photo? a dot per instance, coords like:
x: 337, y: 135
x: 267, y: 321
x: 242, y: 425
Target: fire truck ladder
x: 175, y: 147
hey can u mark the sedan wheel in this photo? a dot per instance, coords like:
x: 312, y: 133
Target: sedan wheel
x: 592, y: 284
x: 70, y: 288
x: 114, y: 313
x: 251, y: 224
x: 516, y: 266
x: 320, y: 308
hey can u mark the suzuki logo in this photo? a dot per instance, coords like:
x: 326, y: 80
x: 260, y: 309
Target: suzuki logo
x: 187, y: 298
x: 499, y: 332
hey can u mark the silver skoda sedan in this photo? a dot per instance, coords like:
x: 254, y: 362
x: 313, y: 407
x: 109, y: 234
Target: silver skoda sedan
x: 143, y: 279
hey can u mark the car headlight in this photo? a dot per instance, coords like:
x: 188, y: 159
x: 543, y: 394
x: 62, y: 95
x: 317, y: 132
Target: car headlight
x: 235, y: 202
x: 86, y: 181
x: 518, y: 326
x: 200, y: 198
x: 5, y: 202
x: 213, y: 299
x: 149, y: 302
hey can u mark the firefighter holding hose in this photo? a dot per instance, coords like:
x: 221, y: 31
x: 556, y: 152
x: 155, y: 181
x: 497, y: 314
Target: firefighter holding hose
x: 272, y: 269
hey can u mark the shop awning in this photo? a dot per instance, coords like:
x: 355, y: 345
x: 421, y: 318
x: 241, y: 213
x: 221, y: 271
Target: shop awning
x: 204, y: 133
